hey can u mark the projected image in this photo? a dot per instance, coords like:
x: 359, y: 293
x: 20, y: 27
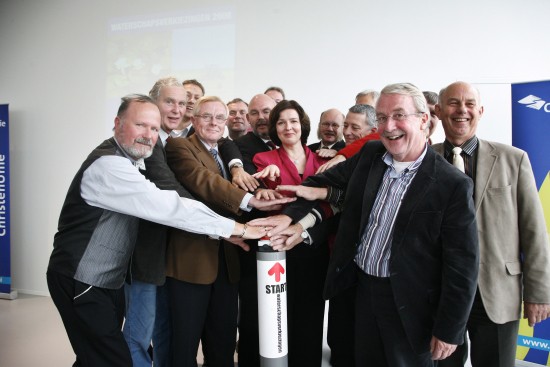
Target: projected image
x: 191, y: 44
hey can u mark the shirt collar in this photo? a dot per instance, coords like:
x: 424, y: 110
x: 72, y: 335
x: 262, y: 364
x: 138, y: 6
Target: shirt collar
x: 209, y: 146
x: 469, y: 146
x: 163, y: 135
x: 413, y: 167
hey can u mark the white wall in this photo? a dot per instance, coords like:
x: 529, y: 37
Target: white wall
x: 54, y: 73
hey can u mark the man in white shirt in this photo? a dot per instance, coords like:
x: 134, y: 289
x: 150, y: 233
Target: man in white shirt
x: 97, y: 230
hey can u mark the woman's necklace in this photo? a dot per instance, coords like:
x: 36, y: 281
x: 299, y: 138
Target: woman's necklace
x: 296, y: 160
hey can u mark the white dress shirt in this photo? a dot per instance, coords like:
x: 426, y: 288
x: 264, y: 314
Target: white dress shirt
x: 113, y: 183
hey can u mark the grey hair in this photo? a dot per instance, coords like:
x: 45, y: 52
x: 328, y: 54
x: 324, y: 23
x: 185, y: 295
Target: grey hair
x: 368, y: 111
x: 128, y: 99
x: 368, y: 92
x: 206, y: 99
x: 411, y: 90
x: 164, y: 82
x: 431, y: 97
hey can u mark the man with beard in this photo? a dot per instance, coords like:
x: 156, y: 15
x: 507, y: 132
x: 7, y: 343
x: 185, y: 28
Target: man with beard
x: 97, y: 231
x: 237, y: 123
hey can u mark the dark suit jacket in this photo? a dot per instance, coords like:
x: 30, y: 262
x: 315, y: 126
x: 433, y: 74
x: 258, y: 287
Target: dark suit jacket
x: 149, y: 257
x: 315, y: 146
x: 434, y: 250
x: 250, y: 145
x: 191, y: 257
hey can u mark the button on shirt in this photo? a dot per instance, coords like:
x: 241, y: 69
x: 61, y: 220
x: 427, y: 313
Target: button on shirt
x: 373, y: 253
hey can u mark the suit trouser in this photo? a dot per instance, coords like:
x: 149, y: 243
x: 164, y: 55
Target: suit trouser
x: 249, y: 355
x: 93, y: 320
x: 208, y: 311
x: 380, y: 339
x: 306, y: 309
x: 162, y: 332
x: 492, y: 345
x: 341, y: 328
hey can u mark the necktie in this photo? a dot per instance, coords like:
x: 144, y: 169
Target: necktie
x: 458, y: 161
x: 214, y: 153
x: 271, y: 145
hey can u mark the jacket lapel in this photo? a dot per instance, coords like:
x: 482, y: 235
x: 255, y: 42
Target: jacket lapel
x: 203, y: 155
x: 486, y: 160
x: 415, y: 194
x: 374, y: 177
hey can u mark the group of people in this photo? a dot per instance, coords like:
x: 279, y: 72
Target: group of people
x: 413, y: 244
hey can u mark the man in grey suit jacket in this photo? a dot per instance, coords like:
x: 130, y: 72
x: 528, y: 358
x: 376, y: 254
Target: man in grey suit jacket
x: 407, y: 238
x: 513, y: 240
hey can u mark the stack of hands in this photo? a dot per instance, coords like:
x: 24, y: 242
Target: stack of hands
x: 279, y: 228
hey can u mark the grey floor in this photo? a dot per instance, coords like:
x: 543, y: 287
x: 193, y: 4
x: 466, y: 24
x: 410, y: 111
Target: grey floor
x: 32, y: 334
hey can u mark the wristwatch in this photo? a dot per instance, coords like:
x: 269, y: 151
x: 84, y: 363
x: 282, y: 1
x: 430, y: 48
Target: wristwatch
x: 237, y: 164
x: 305, y: 237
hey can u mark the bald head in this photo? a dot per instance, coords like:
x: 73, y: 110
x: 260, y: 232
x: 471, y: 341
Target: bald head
x: 459, y: 110
x: 331, y: 125
x: 258, y: 114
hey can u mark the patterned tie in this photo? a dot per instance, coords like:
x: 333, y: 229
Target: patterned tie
x: 214, y: 153
x: 271, y: 145
x: 458, y: 161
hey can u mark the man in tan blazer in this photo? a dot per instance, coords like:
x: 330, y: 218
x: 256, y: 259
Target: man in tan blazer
x: 202, y: 273
x: 513, y: 240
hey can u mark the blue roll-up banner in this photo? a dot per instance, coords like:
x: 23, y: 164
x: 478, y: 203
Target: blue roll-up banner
x: 5, y: 269
x: 531, y: 132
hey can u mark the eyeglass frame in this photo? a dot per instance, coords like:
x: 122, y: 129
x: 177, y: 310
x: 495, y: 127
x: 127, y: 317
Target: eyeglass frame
x: 209, y: 118
x: 332, y: 125
x: 396, y: 117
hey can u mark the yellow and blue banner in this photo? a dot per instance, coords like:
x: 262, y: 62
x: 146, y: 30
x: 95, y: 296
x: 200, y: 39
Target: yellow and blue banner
x: 530, y: 132
x: 5, y: 270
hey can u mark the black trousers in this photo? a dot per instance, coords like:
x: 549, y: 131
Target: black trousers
x: 204, y: 311
x: 380, y: 339
x: 93, y: 320
x: 249, y: 348
x: 492, y: 345
x: 341, y: 328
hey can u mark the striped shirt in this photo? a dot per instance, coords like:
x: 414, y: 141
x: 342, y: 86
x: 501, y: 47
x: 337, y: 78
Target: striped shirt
x: 373, y: 253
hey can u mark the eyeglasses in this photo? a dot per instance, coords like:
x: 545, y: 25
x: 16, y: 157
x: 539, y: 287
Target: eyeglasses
x: 327, y: 124
x: 208, y: 118
x: 382, y: 119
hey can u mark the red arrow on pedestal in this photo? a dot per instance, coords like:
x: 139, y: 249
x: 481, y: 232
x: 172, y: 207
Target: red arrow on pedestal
x: 276, y: 269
